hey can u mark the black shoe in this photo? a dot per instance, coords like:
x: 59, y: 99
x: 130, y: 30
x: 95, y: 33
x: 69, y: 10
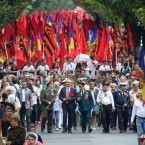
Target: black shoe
x: 42, y: 130
x: 64, y: 131
x: 104, y: 131
x: 50, y: 132
x: 125, y: 130
x: 90, y: 130
x: 75, y: 128
x: 83, y: 131
x: 121, y: 131
x: 69, y: 131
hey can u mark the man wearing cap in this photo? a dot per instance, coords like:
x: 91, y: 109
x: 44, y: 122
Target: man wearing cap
x: 86, y: 104
x: 122, y: 103
x: 105, y: 99
x: 47, y: 98
x: 68, y: 96
x: 133, y: 93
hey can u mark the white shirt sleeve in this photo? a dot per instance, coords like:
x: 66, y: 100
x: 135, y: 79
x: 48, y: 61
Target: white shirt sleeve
x: 47, y: 67
x: 25, y: 68
x: 134, y: 111
x: 112, y: 100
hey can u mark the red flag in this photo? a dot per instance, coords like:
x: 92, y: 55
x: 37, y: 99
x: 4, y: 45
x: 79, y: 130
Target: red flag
x: 64, y: 51
x: 22, y: 26
x: 102, y: 50
x: 20, y: 59
x: 83, y: 44
x: 89, y: 24
x: 131, y: 42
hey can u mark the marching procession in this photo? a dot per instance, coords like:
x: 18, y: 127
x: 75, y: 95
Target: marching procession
x: 70, y: 99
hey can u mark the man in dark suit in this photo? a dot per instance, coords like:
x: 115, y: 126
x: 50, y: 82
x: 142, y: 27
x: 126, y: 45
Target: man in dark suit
x: 68, y: 96
x: 86, y: 104
x: 122, y: 103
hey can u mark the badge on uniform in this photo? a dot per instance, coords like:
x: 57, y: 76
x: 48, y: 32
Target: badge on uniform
x: 87, y: 95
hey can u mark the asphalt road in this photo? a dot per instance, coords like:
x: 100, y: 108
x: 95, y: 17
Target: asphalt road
x: 94, y: 138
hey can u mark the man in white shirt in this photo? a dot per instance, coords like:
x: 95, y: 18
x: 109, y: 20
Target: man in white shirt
x: 29, y: 68
x: 92, y: 66
x: 43, y: 66
x: 68, y: 65
x: 105, y: 99
x: 139, y: 112
x: 104, y: 66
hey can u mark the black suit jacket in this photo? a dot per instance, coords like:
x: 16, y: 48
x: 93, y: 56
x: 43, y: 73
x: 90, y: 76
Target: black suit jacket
x: 73, y: 97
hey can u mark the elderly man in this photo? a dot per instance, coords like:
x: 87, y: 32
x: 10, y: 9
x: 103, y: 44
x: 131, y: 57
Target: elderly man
x: 47, y: 98
x: 86, y: 104
x: 105, y: 98
x: 68, y: 96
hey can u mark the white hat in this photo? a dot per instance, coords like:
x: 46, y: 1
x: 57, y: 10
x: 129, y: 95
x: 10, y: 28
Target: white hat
x: 135, y: 83
x: 123, y: 84
x: 128, y: 74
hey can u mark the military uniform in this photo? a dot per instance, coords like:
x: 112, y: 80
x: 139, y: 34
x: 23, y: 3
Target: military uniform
x: 85, y: 106
x: 16, y: 135
x: 121, y: 98
x: 47, y: 95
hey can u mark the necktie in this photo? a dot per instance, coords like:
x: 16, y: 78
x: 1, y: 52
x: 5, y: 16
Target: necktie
x: 67, y: 94
x: 67, y: 91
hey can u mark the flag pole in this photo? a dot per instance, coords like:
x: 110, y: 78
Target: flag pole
x: 6, y: 50
x: 43, y: 51
x: 30, y: 50
x: 116, y: 57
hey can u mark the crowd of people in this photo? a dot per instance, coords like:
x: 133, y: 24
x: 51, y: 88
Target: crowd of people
x: 86, y: 94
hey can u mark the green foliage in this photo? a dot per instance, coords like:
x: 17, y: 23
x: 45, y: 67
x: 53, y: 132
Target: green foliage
x: 120, y: 10
x: 11, y: 9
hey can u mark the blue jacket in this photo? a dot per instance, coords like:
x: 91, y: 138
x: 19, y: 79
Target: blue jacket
x: 121, y: 99
x: 86, y: 102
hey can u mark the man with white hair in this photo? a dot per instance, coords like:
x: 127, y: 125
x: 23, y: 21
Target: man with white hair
x: 68, y: 96
x: 12, y: 98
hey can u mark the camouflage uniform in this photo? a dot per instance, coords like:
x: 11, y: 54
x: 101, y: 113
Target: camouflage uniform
x: 16, y: 135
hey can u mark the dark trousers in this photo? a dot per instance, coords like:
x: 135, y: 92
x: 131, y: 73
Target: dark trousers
x: 114, y: 119
x: 24, y: 112
x: 68, y: 113
x: 34, y: 114
x: 106, y: 113
x: 86, y: 119
x: 75, y: 120
x: 39, y: 112
x: 122, y: 117
x: 47, y: 116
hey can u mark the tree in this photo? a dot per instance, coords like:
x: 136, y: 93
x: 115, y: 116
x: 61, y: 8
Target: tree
x: 11, y: 9
x: 116, y: 10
